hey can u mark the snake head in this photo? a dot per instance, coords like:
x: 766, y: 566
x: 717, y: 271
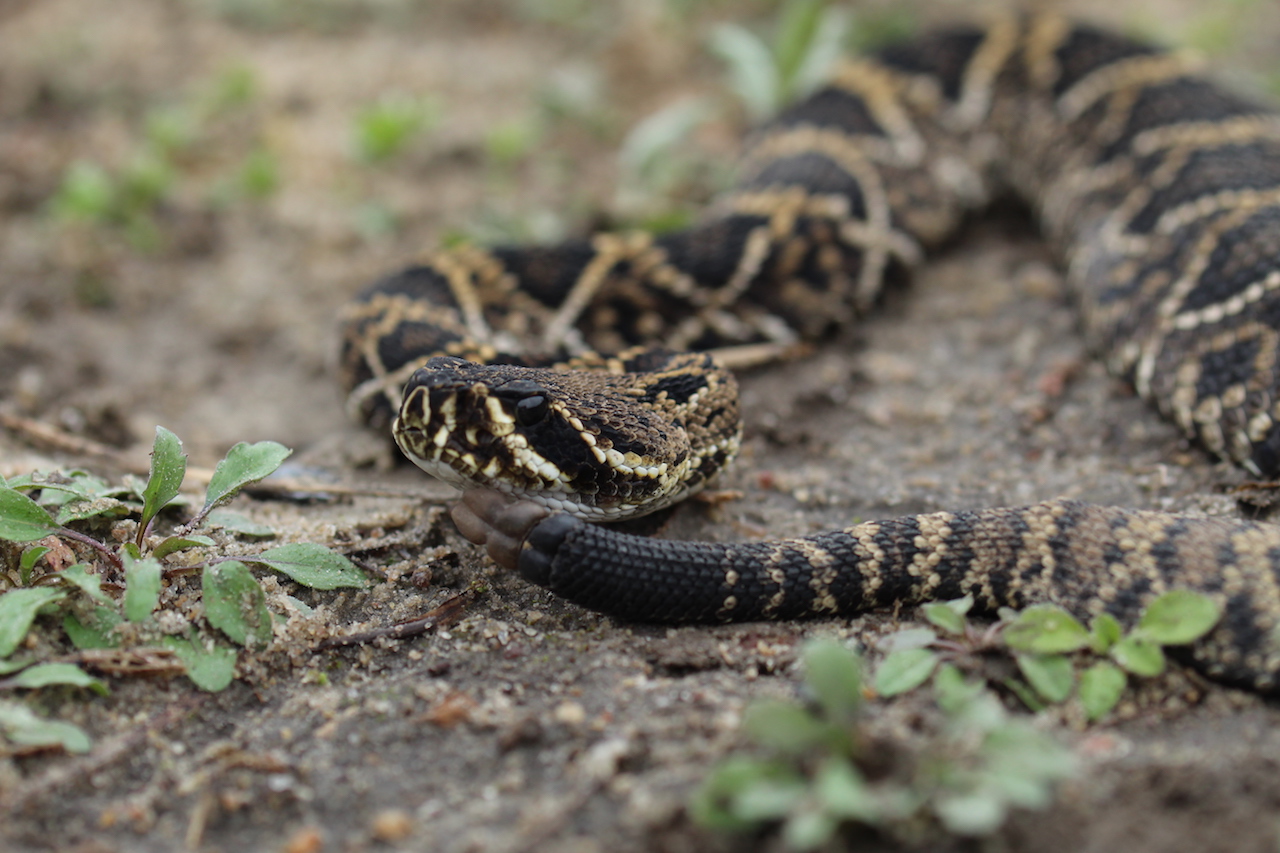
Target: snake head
x: 594, y: 443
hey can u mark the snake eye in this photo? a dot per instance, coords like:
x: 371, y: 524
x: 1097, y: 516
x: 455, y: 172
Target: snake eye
x: 531, y: 409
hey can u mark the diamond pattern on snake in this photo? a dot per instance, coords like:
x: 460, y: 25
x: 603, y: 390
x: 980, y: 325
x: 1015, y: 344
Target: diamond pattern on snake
x: 565, y: 384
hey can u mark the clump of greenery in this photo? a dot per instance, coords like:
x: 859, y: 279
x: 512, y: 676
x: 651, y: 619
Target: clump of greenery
x: 384, y: 129
x: 1043, y: 639
x: 809, y: 37
x: 764, y: 74
x: 131, y: 197
x: 110, y: 597
x: 807, y: 772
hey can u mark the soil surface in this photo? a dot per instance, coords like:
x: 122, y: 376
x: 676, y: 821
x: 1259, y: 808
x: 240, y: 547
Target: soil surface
x: 527, y: 723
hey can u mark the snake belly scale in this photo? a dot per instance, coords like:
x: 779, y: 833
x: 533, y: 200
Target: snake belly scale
x: 565, y: 384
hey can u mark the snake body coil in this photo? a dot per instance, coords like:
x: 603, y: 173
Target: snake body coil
x: 1160, y: 192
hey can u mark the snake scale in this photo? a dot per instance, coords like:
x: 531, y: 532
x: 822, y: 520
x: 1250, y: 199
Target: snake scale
x: 1159, y: 192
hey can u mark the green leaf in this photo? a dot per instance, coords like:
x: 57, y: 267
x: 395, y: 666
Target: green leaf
x: 711, y: 805
x: 808, y: 830
x: 844, y: 793
x: 1024, y: 692
x: 797, y: 28
x: 651, y: 141
x: 1106, y: 632
x: 79, y: 510
x: 141, y: 587
x: 211, y: 668
x: 1178, y: 617
x: 311, y: 565
x: 18, y: 609
x: 972, y: 814
x: 1139, y: 655
x: 1052, y: 676
x: 44, y: 674
x: 14, y: 664
x: 769, y: 798
x: 1046, y: 629
x: 82, y: 487
x: 954, y: 692
x: 29, y: 557
x: 948, y: 615
x: 785, y: 727
x: 23, y: 728
x: 235, y: 604
x: 385, y: 128
x: 824, y: 51
x: 1101, y: 687
x: 88, y: 582
x: 834, y: 675
x: 97, y: 633
x: 908, y: 638
x: 904, y: 670
x: 22, y: 519
x: 753, y: 74
x: 168, y: 467
x: 244, y: 464
x: 177, y: 543
x: 1021, y: 759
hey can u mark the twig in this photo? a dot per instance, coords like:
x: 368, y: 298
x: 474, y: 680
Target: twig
x: 51, y: 437
x: 745, y: 356
x: 111, y: 556
x: 445, y: 614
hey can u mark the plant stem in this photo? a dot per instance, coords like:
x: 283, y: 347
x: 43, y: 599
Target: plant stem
x: 112, y: 557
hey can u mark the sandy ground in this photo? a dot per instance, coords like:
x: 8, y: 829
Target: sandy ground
x: 528, y: 724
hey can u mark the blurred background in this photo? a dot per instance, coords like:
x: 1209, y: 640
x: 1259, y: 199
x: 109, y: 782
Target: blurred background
x: 189, y: 189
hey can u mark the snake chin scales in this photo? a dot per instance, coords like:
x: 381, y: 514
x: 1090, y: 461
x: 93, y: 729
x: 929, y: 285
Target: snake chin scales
x: 570, y: 374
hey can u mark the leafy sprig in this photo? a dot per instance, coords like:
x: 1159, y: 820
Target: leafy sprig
x: 51, y: 513
x: 1057, y: 656
x: 805, y: 773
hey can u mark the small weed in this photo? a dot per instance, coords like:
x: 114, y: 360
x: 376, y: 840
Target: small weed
x: 386, y: 128
x: 110, y: 592
x: 1042, y: 639
x: 510, y: 142
x: 807, y: 774
x: 809, y: 37
x: 258, y: 176
x: 131, y: 198
x: 657, y: 161
x: 652, y: 166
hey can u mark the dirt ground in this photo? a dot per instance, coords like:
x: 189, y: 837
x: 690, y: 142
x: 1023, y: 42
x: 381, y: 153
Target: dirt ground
x: 528, y: 724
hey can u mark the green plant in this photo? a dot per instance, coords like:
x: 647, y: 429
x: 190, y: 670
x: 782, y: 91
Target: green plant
x: 133, y: 595
x: 161, y: 169
x: 1042, y: 638
x: 806, y: 773
x: 655, y: 161
x: 807, y: 40
x: 385, y: 128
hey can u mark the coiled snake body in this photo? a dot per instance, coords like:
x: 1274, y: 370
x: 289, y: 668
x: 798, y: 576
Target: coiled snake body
x: 1160, y: 193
